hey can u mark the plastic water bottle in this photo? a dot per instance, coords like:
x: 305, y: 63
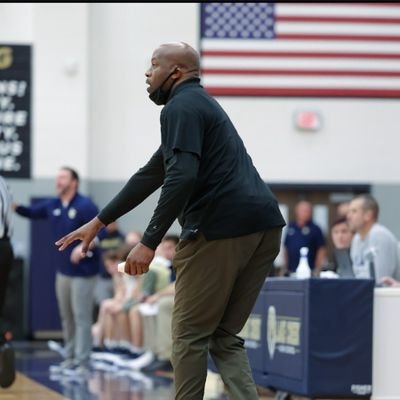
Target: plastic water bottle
x: 303, y: 270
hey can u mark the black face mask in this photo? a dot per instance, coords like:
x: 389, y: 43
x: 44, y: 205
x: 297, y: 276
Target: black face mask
x: 160, y: 96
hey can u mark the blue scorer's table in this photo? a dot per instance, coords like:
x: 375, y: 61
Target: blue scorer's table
x: 313, y: 337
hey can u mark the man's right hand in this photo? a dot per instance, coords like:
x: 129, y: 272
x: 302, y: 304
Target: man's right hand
x: 86, y: 233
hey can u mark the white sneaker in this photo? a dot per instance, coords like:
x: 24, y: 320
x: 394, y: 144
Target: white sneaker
x: 142, y: 361
x: 55, y: 346
x: 59, y: 368
x: 105, y: 356
x: 104, y: 366
x: 78, y: 371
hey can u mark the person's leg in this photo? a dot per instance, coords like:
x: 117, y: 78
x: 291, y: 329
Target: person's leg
x: 226, y: 348
x: 164, y: 317
x: 145, y: 327
x: 162, y: 336
x: 97, y: 335
x: 7, y: 355
x: 82, y: 304
x: 206, y: 274
x: 113, y: 331
x: 136, y: 328
x: 98, y: 326
x: 108, y: 322
x: 150, y: 331
x: 122, y: 330
x: 110, y: 331
x: 6, y: 260
x: 63, y: 293
x: 104, y: 290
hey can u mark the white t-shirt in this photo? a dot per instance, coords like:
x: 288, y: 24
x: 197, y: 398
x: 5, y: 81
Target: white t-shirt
x: 380, y: 247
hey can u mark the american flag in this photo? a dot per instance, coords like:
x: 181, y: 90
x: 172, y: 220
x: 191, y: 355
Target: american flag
x: 301, y: 49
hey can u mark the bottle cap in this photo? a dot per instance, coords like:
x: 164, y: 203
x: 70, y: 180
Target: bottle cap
x: 304, y: 251
x: 121, y: 267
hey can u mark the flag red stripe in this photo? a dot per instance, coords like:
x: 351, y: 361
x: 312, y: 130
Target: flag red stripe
x: 320, y: 92
x: 297, y: 54
x: 372, y: 38
x: 360, y: 20
x: 303, y: 72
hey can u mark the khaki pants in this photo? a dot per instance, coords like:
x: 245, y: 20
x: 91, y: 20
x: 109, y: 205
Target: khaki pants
x: 164, y: 340
x: 217, y: 284
x: 157, y: 329
x: 75, y: 303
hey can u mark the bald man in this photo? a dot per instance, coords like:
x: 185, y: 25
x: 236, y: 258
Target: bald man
x: 303, y: 232
x: 231, y: 224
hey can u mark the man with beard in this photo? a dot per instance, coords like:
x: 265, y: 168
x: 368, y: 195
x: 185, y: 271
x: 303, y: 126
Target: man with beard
x: 76, y: 276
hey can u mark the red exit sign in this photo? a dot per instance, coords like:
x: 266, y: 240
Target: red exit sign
x: 308, y: 121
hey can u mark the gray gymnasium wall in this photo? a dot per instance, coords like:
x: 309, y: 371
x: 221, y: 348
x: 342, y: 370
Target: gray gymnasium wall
x: 388, y: 198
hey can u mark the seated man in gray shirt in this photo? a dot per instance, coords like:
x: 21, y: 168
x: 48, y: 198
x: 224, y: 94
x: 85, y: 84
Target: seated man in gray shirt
x: 374, y: 249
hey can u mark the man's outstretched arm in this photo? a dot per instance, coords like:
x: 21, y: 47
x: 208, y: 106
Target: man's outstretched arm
x: 139, y: 187
x: 181, y: 174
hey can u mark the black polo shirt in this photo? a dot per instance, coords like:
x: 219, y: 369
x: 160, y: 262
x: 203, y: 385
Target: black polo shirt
x: 208, y: 180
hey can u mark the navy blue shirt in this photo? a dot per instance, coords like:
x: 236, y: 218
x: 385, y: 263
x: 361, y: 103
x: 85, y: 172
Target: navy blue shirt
x: 63, y: 220
x: 310, y: 235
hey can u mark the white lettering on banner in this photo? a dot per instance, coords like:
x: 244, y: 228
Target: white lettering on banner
x: 252, y: 344
x: 283, y: 333
x: 5, y: 102
x: 252, y: 329
x: 12, y: 148
x: 10, y: 120
x: 15, y: 98
x: 286, y: 349
x: 271, y: 331
x: 13, y: 88
x: 9, y: 164
x: 17, y: 118
x: 8, y: 132
x: 361, y: 389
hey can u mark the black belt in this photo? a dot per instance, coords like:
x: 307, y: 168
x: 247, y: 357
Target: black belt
x: 5, y: 239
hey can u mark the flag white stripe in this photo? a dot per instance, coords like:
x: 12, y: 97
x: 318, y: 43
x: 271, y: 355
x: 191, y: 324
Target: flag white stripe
x: 337, y: 28
x: 300, y: 82
x: 336, y: 11
x: 310, y: 71
x: 301, y: 45
x: 299, y: 63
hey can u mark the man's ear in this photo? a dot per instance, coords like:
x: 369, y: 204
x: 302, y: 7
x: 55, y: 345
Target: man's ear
x: 177, y: 73
x: 369, y: 215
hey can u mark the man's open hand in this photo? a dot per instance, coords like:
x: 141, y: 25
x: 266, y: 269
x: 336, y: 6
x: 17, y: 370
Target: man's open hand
x: 86, y: 233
